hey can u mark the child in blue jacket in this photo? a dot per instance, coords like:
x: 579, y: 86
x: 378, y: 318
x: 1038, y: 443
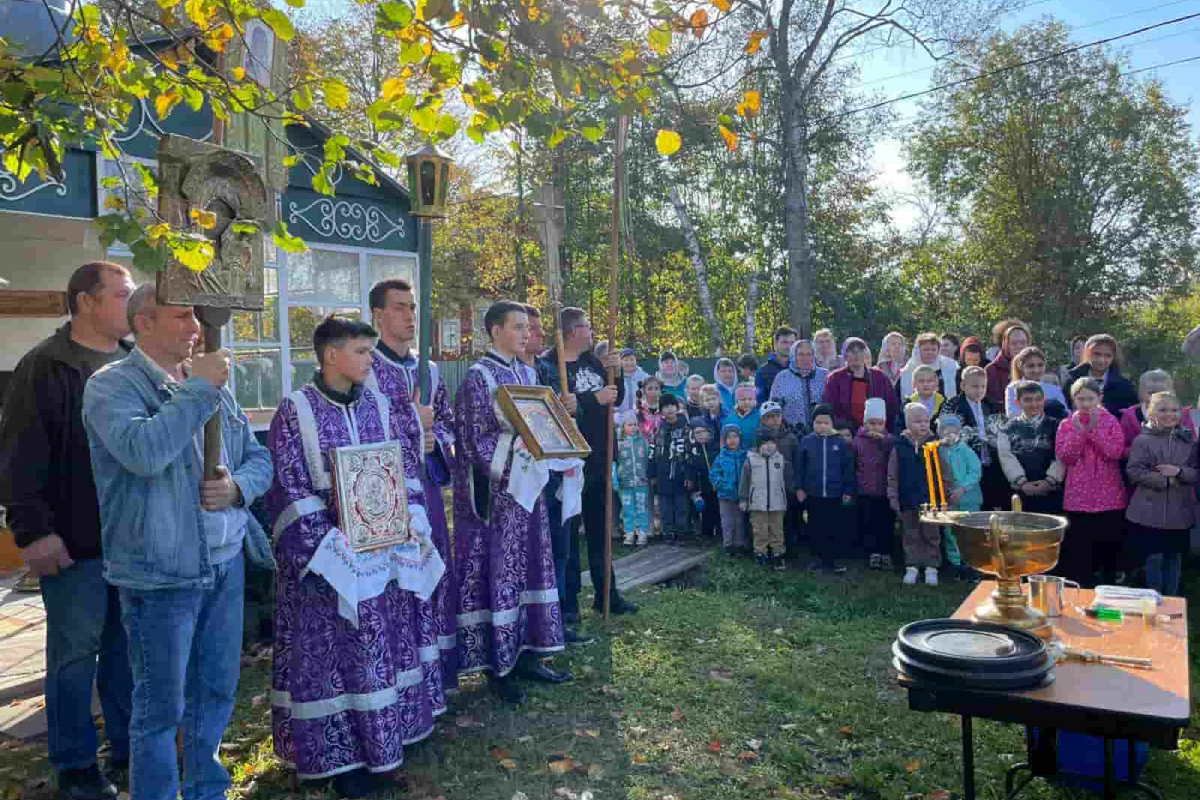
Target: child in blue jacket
x: 824, y: 470
x: 725, y: 476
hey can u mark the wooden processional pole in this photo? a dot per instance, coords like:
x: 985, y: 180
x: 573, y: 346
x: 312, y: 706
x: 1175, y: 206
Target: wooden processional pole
x: 618, y: 190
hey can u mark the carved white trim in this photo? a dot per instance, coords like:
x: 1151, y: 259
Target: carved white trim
x: 9, y: 185
x: 357, y: 222
x: 155, y: 130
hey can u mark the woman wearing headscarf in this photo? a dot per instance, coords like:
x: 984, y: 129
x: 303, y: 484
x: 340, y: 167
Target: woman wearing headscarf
x: 1015, y: 338
x: 893, y: 354
x: 725, y: 377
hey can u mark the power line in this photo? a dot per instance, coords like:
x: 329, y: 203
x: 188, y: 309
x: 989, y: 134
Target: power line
x: 1070, y: 81
x: 1002, y: 70
x: 1159, y: 7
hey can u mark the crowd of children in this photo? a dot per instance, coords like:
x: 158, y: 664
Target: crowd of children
x: 826, y: 447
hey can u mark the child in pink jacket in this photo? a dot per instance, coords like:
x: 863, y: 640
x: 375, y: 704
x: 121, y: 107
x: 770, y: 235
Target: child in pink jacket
x: 1091, y: 444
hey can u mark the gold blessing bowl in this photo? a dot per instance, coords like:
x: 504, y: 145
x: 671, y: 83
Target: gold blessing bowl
x: 1008, y: 545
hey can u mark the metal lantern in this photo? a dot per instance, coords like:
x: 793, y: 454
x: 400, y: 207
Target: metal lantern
x: 428, y: 181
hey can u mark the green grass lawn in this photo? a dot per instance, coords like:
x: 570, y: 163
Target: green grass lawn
x: 734, y: 682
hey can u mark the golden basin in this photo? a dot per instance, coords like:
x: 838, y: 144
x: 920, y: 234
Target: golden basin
x: 1007, y: 545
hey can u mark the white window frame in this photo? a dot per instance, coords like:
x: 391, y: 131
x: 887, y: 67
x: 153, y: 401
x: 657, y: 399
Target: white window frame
x: 286, y: 302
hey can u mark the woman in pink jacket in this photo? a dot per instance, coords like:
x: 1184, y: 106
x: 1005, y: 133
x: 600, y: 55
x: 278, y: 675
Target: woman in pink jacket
x: 1090, y: 444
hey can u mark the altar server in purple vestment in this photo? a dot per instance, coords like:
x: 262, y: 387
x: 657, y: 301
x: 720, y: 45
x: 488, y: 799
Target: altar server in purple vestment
x: 394, y: 374
x: 508, y: 610
x: 356, y: 674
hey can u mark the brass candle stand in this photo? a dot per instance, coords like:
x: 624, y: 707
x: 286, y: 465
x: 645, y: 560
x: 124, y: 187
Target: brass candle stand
x: 1007, y: 545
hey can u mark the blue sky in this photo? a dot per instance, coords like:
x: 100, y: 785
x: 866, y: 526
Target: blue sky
x: 899, y: 71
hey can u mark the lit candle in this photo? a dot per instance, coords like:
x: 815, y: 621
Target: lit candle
x: 937, y: 461
x: 929, y: 476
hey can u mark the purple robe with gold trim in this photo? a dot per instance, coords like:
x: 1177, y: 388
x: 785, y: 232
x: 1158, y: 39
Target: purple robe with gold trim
x: 397, y: 381
x: 508, y: 599
x: 343, y: 696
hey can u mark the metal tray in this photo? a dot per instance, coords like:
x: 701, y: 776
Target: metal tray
x: 967, y: 645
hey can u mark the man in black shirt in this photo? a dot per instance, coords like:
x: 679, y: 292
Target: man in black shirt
x: 587, y: 378
x: 46, y: 484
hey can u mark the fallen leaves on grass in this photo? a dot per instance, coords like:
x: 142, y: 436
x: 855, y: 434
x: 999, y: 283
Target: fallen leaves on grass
x: 912, y: 766
x: 746, y: 756
x: 714, y: 746
x: 846, y: 732
x: 595, y: 772
x: 677, y: 714
x: 508, y: 764
x: 498, y: 753
x: 640, y: 759
x: 938, y: 794
x: 561, y: 763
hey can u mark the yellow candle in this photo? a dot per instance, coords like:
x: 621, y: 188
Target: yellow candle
x: 929, y: 476
x: 937, y: 460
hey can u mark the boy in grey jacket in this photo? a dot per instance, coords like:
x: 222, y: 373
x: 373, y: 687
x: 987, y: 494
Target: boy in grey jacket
x: 765, y: 488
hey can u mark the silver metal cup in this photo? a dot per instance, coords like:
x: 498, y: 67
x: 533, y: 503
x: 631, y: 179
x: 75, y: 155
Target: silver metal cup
x: 1046, y: 593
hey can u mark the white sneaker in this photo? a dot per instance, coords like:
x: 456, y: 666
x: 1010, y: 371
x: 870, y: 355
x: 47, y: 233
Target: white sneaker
x: 628, y: 539
x: 641, y: 538
x: 930, y: 576
x: 910, y: 575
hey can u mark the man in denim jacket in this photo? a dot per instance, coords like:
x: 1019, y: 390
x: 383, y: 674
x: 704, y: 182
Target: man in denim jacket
x: 173, y: 542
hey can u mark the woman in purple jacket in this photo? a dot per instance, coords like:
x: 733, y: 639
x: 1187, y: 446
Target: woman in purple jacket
x: 848, y: 389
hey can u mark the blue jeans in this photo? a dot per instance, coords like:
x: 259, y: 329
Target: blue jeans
x: 1162, y: 572
x: 185, y: 646
x: 85, y: 643
x: 563, y: 538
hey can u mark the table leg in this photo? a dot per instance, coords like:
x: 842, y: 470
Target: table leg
x: 1110, y: 771
x: 968, y: 761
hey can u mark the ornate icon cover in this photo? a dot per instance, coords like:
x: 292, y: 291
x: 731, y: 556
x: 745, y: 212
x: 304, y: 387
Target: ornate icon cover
x: 372, y: 495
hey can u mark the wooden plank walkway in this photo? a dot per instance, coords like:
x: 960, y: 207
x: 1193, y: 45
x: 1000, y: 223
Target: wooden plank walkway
x: 654, y: 564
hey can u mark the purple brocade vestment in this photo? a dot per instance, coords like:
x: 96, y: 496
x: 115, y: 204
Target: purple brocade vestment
x: 397, y: 381
x: 342, y: 697
x: 508, y: 600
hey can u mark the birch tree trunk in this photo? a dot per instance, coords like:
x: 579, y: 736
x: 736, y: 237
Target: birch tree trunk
x: 753, y: 292
x: 701, y: 267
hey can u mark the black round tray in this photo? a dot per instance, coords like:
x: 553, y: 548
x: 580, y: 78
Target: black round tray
x: 999, y: 684
x: 970, y: 646
x: 971, y: 678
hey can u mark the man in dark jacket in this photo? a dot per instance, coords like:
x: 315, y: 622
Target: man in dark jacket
x: 46, y: 484
x: 587, y: 379
x: 1100, y: 363
x: 777, y: 362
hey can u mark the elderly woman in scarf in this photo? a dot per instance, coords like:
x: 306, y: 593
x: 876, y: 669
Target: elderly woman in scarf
x: 800, y: 387
x: 893, y: 354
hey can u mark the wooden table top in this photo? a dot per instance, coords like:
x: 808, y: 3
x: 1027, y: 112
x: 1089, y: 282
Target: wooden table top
x: 1161, y: 694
